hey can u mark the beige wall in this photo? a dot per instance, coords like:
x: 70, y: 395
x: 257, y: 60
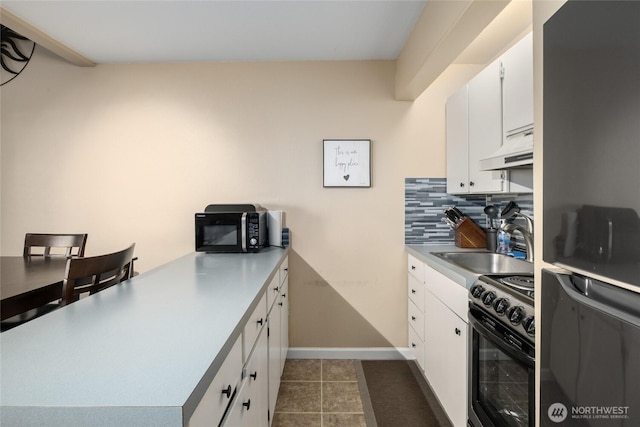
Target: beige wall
x: 128, y: 153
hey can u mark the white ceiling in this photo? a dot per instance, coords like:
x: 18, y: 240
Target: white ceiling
x: 112, y: 31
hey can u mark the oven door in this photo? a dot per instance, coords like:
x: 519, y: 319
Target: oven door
x: 221, y: 232
x: 501, y: 374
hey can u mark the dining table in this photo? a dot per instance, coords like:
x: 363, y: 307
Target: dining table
x: 29, y: 282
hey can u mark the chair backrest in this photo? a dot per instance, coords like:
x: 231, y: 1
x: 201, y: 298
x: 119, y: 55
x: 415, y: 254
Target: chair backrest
x: 67, y: 242
x: 93, y: 274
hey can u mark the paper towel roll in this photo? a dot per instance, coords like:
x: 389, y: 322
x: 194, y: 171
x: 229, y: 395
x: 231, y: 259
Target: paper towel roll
x: 274, y: 224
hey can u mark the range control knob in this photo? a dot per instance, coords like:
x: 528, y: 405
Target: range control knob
x: 501, y: 305
x: 476, y: 291
x: 529, y: 325
x: 515, y: 314
x: 253, y: 241
x: 488, y: 297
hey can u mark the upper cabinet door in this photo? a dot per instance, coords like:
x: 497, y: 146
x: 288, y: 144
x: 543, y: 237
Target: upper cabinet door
x: 457, y: 114
x: 485, y: 130
x: 517, y: 86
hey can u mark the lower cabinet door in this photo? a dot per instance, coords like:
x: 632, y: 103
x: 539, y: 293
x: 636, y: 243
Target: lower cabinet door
x: 274, y: 357
x: 284, y: 323
x: 446, y: 358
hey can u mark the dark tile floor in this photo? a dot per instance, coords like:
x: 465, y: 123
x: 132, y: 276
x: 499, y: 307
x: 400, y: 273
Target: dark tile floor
x: 319, y: 393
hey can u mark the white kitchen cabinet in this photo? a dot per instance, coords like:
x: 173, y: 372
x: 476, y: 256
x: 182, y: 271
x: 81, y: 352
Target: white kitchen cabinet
x: 517, y: 86
x: 254, y: 325
x: 249, y: 378
x: 473, y: 117
x: 493, y: 106
x: 415, y: 308
x: 416, y: 334
x: 250, y: 406
x: 284, y: 322
x: 485, y: 129
x: 438, y: 334
x: 219, y: 393
x: 446, y: 341
x: 243, y: 377
x: 446, y: 358
x: 278, y: 334
x: 457, y: 122
x: 415, y: 268
x: 274, y: 357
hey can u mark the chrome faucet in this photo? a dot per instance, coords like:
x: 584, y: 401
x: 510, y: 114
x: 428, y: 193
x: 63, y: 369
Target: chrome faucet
x: 527, y: 234
x: 528, y: 221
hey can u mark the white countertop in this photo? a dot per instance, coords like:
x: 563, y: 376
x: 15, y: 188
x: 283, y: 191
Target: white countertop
x: 140, y: 353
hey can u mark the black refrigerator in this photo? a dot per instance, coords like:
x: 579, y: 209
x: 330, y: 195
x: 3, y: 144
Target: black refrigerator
x: 590, y: 312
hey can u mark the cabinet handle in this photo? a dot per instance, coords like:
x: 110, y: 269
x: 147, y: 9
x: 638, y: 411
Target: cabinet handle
x: 458, y: 331
x: 260, y: 322
x: 413, y: 345
x: 227, y: 391
x: 284, y: 295
x: 413, y: 267
x: 413, y: 291
x: 413, y: 317
x: 471, y: 184
x: 286, y: 269
x: 280, y: 304
x: 254, y: 375
x: 247, y: 404
x: 276, y: 289
x: 461, y: 184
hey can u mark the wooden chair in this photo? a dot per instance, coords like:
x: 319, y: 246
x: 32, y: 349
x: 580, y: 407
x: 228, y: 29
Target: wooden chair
x: 68, y: 242
x: 93, y: 274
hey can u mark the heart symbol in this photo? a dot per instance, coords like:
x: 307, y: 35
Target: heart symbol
x: 346, y: 177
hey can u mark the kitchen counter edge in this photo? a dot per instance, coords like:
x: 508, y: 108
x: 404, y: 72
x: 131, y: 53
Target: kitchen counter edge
x: 459, y: 275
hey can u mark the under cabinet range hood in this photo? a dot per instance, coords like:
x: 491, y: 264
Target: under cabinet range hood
x: 516, y: 152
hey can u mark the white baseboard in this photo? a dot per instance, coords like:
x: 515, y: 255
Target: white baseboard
x: 360, y: 353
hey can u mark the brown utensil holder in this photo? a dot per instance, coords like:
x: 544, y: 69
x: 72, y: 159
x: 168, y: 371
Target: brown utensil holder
x: 469, y: 235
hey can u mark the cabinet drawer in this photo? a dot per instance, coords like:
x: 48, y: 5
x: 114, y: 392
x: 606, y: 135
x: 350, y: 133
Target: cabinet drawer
x: 416, y: 268
x: 453, y: 295
x: 254, y: 325
x: 284, y: 269
x: 417, y: 345
x: 416, y: 320
x: 416, y: 292
x: 218, y: 396
x: 273, y: 291
x: 243, y: 411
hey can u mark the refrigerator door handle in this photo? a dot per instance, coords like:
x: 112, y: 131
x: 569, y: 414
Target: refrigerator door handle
x: 617, y: 302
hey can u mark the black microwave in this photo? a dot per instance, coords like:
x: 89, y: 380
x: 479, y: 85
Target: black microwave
x: 225, y: 231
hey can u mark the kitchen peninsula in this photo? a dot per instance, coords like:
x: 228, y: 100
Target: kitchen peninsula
x: 141, y: 353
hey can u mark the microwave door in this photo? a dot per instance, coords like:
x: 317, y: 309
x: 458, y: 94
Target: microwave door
x: 221, y: 232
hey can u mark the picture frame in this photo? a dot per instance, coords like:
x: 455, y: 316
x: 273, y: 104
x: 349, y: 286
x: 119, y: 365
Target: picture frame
x: 346, y: 163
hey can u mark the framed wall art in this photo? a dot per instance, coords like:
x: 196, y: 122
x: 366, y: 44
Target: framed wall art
x: 347, y: 162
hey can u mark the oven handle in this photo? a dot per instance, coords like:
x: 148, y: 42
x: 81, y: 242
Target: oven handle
x: 501, y: 342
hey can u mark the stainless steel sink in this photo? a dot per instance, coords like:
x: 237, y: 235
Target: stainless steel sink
x: 486, y: 262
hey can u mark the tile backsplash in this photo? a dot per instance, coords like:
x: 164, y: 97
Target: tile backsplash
x: 426, y: 198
